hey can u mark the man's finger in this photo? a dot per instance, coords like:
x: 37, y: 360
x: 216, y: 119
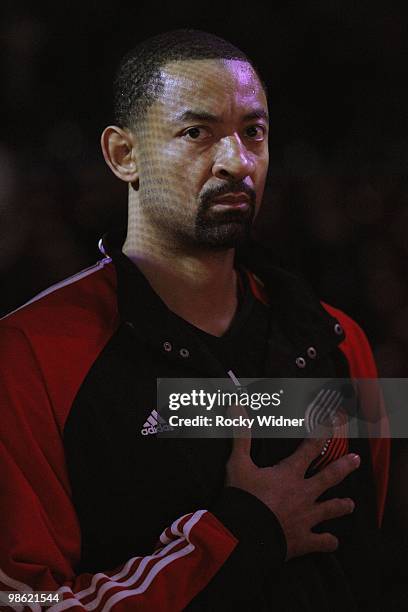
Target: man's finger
x: 334, y: 473
x: 241, y: 446
x: 333, y: 508
x: 323, y: 542
x: 306, y: 452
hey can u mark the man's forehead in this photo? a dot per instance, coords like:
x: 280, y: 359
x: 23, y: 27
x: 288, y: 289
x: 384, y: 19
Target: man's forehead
x: 210, y: 81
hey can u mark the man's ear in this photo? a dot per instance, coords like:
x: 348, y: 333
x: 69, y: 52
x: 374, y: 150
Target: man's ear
x: 119, y: 153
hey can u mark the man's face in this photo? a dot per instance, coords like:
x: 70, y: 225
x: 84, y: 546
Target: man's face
x: 203, y: 153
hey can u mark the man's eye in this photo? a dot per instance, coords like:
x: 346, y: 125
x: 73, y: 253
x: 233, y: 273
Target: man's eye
x: 255, y: 132
x: 196, y: 133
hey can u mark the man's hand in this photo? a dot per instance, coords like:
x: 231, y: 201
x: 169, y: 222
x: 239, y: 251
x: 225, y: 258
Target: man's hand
x: 291, y: 497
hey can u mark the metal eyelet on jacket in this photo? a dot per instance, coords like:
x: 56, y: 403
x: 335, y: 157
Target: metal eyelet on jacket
x: 338, y: 329
x: 300, y: 362
x: 184, y: 352
x: 311, y: 352
x: 167, y: 346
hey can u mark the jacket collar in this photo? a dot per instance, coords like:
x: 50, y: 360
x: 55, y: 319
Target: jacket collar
x: 294, y: 305
x: 153, y: 323
x: 299, y: 321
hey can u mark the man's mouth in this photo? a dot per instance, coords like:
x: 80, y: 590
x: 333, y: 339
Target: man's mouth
x: 231, y: 201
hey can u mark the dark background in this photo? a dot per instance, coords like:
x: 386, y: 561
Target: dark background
x: 336, y: 204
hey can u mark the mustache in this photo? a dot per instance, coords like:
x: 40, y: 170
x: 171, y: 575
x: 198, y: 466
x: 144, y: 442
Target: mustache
x: 230, y: 187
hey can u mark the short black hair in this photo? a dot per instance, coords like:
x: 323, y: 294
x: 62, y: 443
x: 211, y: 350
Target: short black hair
x: 137, y: 83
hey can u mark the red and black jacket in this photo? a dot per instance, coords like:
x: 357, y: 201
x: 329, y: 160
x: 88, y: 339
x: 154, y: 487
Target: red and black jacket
x: 85, y: 497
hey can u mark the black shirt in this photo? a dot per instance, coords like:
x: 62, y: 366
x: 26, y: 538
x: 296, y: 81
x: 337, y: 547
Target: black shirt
x: 242, y: 348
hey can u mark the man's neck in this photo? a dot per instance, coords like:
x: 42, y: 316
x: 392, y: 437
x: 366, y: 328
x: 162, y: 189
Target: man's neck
x: 199, y: 286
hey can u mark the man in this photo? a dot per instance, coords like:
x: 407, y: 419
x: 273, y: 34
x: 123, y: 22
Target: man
x: 87, y: 495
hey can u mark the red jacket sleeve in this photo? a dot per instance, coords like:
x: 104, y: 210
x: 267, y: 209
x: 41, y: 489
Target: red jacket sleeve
x: 40, y: 543
x: 41, y: 539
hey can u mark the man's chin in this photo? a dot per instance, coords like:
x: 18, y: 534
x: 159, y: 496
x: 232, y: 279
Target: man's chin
x: 224, y: 236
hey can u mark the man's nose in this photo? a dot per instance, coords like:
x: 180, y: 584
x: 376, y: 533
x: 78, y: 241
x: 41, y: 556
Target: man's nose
x: 233, y: 160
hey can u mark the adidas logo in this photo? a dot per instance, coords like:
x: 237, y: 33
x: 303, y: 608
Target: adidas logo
x: 155, y: 424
